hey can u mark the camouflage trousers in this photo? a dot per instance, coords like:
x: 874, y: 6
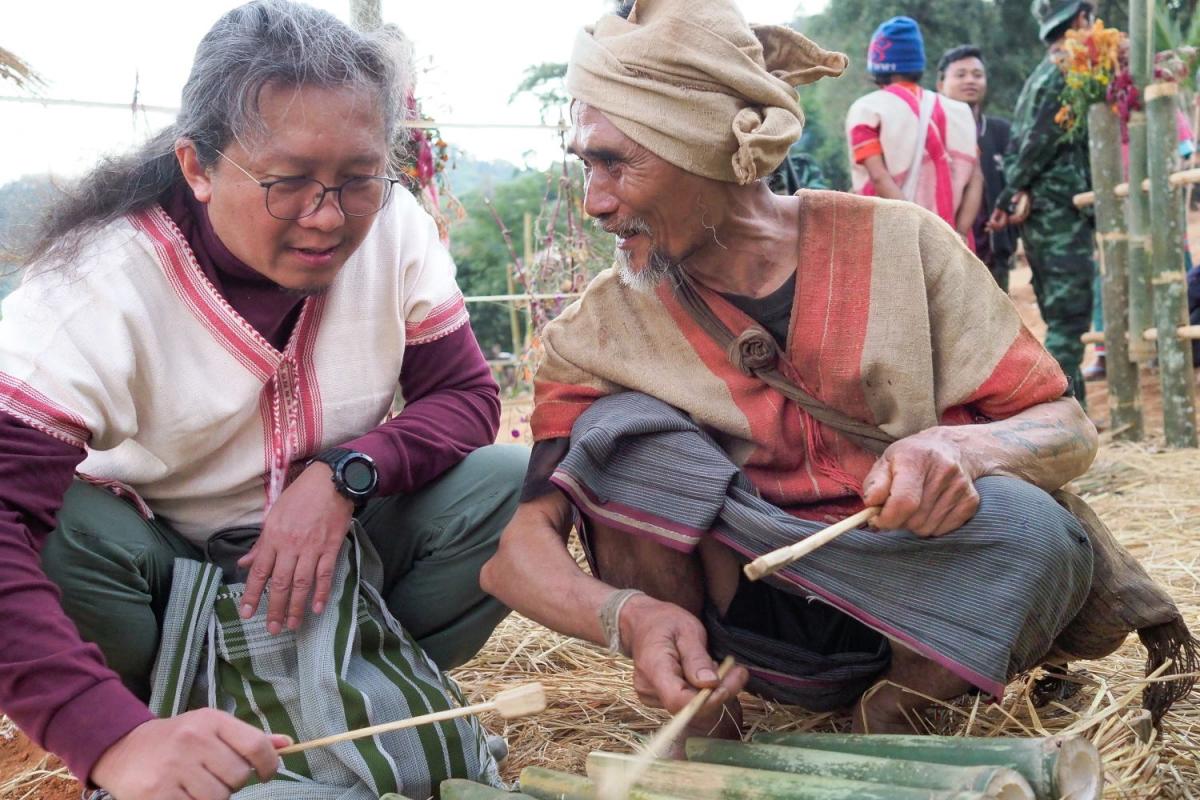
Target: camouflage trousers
x: 1058, y: 244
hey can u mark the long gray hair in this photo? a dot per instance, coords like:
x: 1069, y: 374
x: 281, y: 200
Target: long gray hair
x: 262, y: 43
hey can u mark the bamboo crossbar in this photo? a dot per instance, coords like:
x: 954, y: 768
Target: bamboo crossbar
x: 1185, y: 177
x: 1186, y: 332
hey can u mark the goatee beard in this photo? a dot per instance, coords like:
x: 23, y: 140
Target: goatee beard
x: 646, y: 279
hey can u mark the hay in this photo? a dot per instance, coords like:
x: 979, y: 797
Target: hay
x: 1149, y: 497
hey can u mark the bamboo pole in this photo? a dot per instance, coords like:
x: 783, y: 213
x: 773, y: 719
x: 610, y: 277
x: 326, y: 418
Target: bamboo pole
x: 1188, y: 333
x: 459, y: 789
x: 990, y: 781
x: 1104, y: 147
x: 528, y: 244
x: 1169, y: 279
x: 1056, y: 766
x: 549, y: 784
x: 698, y: 781
x: 1137, y: 210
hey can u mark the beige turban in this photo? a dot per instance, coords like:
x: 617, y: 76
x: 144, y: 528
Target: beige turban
x: 693, y: 83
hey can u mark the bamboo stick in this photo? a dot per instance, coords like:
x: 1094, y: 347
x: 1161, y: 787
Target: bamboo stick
x: 617, y: 784
x: 1184, y: 177
x: 776, y: 560
x: 1104, y: 148
x: 1055, y: 766
x: 698, y: 781
x: 990, y: 781
x: 1168, y: 276
x: 459, y: 789
x: 1137, y: 210
x: 521, y: 701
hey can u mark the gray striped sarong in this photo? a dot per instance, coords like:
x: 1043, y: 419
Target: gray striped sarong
x: 985, y: 601
x: 350, y: 667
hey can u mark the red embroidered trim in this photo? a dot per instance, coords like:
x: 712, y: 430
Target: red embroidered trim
x: 40, y: 412
x: 443, y: 320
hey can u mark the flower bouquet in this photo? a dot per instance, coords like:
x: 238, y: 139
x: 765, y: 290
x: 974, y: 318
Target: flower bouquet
x: 1090, y: 61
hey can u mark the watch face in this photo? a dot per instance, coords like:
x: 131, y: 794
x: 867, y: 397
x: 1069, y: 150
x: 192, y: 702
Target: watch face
x: 358, y: 476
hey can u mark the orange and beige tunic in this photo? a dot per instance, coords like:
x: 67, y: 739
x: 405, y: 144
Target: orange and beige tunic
x: 894, y: 322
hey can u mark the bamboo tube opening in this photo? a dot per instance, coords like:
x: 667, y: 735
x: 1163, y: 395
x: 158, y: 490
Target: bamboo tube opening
x: 1008, y: 785
x: 1079, y: 773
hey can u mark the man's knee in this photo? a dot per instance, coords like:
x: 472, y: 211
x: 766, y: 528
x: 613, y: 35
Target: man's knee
x: 1053, y: 545
x: 631, y: 562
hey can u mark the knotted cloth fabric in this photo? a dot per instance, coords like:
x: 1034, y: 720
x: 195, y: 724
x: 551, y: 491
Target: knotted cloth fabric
x: 694, y: 83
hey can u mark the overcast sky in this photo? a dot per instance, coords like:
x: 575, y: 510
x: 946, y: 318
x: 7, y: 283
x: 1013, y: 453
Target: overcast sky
x: 471, y: 55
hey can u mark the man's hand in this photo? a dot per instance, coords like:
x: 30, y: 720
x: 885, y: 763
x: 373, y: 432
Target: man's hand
x: 671, y: 661
x: 925, y: 483
x: 200, y: 755
x: 297, y: 549
x: 998, y: 221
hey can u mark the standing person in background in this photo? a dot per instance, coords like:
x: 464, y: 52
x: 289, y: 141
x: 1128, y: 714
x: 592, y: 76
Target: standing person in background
x: 1044, y: 173
x: 962, y: 76
x: 911, y: 144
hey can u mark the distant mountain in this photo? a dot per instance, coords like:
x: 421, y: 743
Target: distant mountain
x: 467, y: 174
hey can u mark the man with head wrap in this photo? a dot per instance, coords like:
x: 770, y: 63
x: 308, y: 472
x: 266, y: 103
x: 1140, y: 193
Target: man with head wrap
x: 853, y: 305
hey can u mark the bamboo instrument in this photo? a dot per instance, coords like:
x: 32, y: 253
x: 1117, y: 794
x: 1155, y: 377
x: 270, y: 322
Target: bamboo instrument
x: 617, y: 783
x: 549, y: 784
x: 459, y: 789
x: 776, y: 560
x: 717, y: 782
x: 521, y: 701
x: 991, y: 781
x: 1055, y: 766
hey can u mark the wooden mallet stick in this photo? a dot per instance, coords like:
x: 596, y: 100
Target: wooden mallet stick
x: 617, y: 786
x: 521, y: 701
x: 776, y: 560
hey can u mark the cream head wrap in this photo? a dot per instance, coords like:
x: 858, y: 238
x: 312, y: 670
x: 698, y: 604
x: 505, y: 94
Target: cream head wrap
x: 696, y: 85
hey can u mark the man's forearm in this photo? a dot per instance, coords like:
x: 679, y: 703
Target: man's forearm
x: 1047, y: 445
x: 534, y: 574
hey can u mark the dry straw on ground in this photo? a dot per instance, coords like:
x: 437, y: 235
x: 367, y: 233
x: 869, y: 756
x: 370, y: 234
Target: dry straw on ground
x: 1150, y: 499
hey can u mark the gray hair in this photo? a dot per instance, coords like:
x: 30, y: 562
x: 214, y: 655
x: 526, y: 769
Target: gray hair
x: 260, y: 44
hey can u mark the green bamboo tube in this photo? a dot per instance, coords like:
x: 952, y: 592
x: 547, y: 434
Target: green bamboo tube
x: 1056, y: 766
x: 549, y: 784
x: 716, y: 782
x: 459, y: 789
x: 1137, y: 207
x: 1124, y: 395
x: 1001, y: 783
x: 1168, y: 276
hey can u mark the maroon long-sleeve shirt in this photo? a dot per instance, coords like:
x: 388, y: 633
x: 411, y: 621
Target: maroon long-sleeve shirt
x: 56, y: 687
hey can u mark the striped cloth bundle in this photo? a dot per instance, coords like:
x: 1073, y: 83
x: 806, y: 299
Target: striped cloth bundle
x: 350, y: 667
x: 985, y: 601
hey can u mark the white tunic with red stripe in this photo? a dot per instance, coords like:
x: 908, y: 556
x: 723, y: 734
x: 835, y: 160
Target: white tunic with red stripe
x: 133, y: 354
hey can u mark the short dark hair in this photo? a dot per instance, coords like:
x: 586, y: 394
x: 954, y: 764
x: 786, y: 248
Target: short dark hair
x: 960, y: 53
x: 888, y: 78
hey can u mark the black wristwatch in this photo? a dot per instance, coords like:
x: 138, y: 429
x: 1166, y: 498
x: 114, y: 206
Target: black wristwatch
x: 354, y: 474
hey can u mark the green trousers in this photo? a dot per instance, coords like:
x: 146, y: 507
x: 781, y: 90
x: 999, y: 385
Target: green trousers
x: 1058, y: 244
x: 114, y: 567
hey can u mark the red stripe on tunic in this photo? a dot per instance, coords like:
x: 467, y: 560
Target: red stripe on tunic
x: 1026, y: 376
x: 556, y: 406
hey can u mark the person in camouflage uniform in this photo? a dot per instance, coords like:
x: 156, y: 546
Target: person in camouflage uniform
x: 1044, y: 173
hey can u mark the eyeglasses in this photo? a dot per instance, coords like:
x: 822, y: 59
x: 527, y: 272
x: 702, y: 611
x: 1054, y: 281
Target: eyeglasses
x: 297, y: 198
